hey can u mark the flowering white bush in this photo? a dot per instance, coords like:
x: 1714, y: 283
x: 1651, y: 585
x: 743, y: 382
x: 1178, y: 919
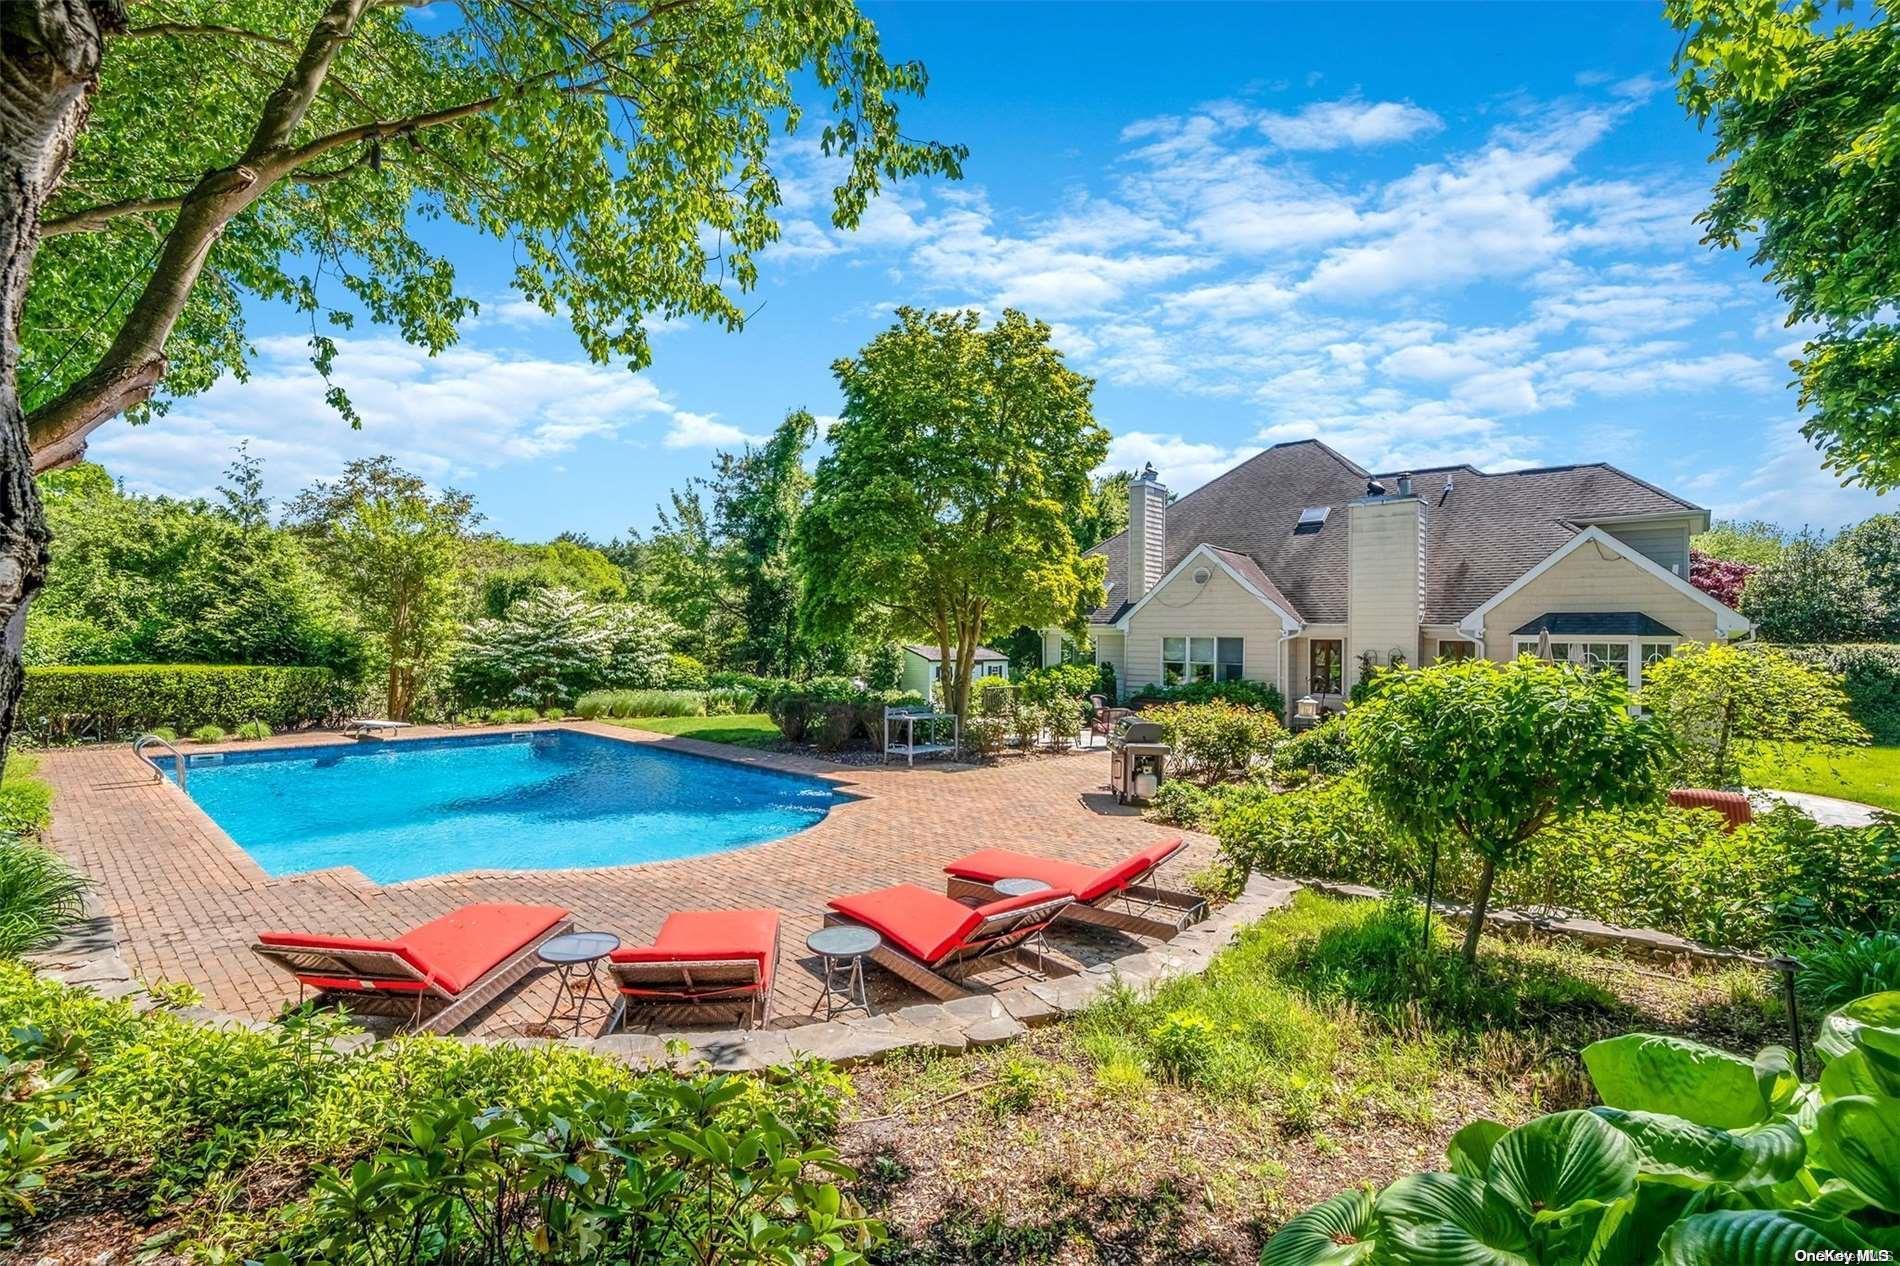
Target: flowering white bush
x: 554, y: 645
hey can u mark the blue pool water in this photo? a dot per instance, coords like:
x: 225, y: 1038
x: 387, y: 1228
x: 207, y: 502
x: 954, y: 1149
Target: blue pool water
x: 415, y: 807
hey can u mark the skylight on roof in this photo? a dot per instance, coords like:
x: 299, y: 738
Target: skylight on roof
x: 1312, y: 519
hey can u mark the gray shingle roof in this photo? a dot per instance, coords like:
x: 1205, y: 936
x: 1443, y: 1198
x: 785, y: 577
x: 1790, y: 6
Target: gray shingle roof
x: 1484, y: 533
x: 1598, y: 623
x: 930, y: 653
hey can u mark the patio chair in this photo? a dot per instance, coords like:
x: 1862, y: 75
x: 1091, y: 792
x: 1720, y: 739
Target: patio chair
x: 1105, y: 717
x: 1732, y: 805
x: 436, y: 976
x: 704, y: 965
x: 932, y: 941
x: 1121, y: 896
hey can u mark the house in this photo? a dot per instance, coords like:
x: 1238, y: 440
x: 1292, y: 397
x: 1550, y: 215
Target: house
x: 922, y: 667
x: 1295, y: 564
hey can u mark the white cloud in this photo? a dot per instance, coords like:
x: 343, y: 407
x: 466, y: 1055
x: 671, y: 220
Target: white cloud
x: 699, y: 430
x: 444, y: 417
x: 1183, y: 464
x: 1789, y: 487
x: 1326, y: 125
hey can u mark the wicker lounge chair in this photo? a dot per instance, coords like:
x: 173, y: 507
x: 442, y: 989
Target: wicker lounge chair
x: 436, y: 976
x: 704, y: 965
x: 1121, y: 896
x: 932, y: 941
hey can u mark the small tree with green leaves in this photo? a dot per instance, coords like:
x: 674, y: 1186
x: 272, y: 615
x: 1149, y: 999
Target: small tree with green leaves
x: 1715, y: 700
x: 963, y: 454
x: 393, y: 547
x: 1491, y: 754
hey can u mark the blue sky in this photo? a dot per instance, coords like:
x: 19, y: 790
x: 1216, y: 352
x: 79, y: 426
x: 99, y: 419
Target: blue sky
x: 1423, y: 233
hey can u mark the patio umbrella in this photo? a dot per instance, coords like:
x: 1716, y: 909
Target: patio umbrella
x: 1543, y: 643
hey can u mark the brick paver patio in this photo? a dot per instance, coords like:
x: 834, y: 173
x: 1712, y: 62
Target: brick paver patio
x: 187, y: 900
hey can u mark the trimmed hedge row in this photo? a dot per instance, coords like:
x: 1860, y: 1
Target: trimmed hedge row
x: 110, y: 701
x: 1870, y: 673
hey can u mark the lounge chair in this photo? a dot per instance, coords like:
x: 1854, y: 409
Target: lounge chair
x: 1121, y: 896
x: 373, y: 728
x: 1732, y: 805
x: 704, y: 965
x: 437, y: 976
x: 932, y: 941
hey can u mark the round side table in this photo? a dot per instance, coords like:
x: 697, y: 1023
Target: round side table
x: 843, y: 947
x: 1020, y: 887
x: 576, y: 957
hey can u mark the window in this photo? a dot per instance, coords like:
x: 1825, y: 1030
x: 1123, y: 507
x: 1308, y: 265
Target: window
x: 1607, y: 656
x: 1328, y: 668
x: 1312, y: 519
x: 1626, y: 657
x: 1451, y: 648
x: 1186, y: 659
x: 1653, y: 651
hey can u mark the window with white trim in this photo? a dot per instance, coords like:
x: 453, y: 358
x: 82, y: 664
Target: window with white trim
x: 1189, y: 658
x: 1626, y: 657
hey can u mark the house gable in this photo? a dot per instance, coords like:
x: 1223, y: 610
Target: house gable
x: 1241, y: 571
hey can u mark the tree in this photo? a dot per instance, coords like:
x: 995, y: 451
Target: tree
x: 1872, y: 548
x: 680, y: 568
x: 250, y: 148
x: 554, y: 645
x: 1813, y: 593
x: 961, y: 457
x: 1753, y: 542
x: 504, y: 572
x: 1105, y: 512
x: 1806, y: 109
x: 391, y: 546
x: 1714, y: 699
x: 1720, y: 578
x: 243, y: 491
x: 1491, y: 754
x: 758, y: 495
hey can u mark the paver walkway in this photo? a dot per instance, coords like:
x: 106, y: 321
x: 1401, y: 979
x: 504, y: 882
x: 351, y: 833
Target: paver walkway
x: 1827, y: 810
x: 188, y: 901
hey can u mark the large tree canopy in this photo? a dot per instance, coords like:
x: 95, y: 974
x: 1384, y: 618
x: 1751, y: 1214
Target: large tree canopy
x: 962, y: 457
x: 288, y: 148
x: 1807, y: 122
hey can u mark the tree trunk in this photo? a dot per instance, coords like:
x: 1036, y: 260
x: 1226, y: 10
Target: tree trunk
x: 1479, y: 904
x: 49, y: 59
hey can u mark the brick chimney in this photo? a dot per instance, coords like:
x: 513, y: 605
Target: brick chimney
x: 1147, y: 533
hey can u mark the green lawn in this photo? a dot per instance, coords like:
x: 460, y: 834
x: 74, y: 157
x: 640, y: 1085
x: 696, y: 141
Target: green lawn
x: 746, y: 729
x: 1868, y: 774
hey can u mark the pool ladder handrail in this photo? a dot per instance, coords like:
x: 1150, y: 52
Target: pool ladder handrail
x: 178, y: 757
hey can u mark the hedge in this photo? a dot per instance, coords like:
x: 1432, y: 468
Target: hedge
x: 1870, y: 673
x: 111, y: 701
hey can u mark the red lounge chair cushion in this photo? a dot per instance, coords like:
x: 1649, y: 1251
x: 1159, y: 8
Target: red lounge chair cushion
x: 1086, y: 883
x: 454, y: 951
x: 711, y: 934
x: 925, y: 924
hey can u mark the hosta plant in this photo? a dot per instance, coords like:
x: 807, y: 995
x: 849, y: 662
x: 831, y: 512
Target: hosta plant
x: 1696, y: 1158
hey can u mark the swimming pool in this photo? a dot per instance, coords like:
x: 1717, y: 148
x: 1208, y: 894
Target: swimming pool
x: 544, y: 800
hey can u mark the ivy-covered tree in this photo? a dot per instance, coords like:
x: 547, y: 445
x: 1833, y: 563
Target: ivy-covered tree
x: 392, y: 546
x: 758, y: 495
x: 1716, y: 700
x: 1491, y: 754
x: 554, y: 645
x: 1806, y: 109
x: 1872, y: 548
x: 961, y: 457
x: 180, y: 161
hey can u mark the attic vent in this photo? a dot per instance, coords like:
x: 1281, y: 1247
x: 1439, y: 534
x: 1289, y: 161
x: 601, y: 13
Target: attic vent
x: 1312, y: 519
x: 1202, y: 575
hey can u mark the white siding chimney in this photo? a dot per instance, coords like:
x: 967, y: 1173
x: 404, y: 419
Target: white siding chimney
x: 1147, y: 533
x: 1385, y: 577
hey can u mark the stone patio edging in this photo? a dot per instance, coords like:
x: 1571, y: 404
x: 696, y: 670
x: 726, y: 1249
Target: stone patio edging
x: 88, y: 958
x: 1643, y: 942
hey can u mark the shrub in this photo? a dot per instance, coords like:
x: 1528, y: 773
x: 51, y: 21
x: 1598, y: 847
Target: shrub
x: 554, y: 644
x: 757, y: 690
x: 830, y: 710
x: 253, y: 730
x: 165, y: 732
x: 1714, y: 699
x: 1215, y: 740
x: 208, y: 734
x: 26, y: 803
x: 170, y: 1112
x: 1838, y: 966
x: 683, y: 672
x: 1870, y: 674
x: 1183, y: 1045
x: 554, y: 714
x: 123, y: 700
x: 1040, y: 685
x: 1325, y: 749
x: 1676, y: 870
x: 594, y: 705
x: 1247, y: 694
x: 41, y: 895
x: 729, y: 700
x: 659, y: 703
x: 1181, y: 803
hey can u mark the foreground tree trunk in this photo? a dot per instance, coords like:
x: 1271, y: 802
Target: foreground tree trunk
x: 1479, y: 904
x: 49, y: 59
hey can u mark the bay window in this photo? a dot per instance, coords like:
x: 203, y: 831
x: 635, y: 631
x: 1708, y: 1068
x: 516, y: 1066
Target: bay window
x: 1626, y: 657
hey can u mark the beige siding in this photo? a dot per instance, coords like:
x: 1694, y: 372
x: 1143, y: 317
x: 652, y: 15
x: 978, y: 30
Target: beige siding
x: 1219, y: 608
x: 1382, y: 598
x: 1111, y: 648
x: 1051, y: 647
x: 1591, y: 578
